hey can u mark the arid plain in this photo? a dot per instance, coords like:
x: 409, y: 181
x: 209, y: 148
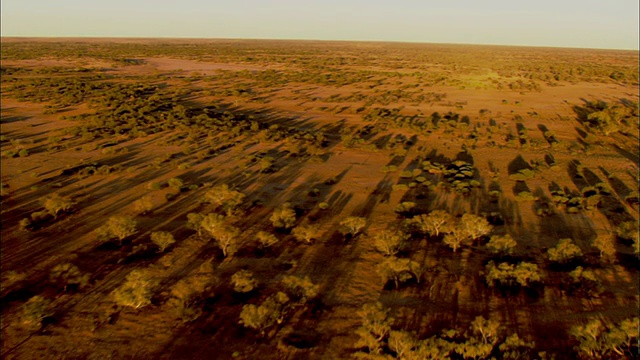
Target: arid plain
x: 185, y: 199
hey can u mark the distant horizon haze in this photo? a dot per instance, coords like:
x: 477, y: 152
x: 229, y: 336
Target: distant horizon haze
x: 588, y: 24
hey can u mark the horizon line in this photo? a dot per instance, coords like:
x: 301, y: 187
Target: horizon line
x: 102, y: 37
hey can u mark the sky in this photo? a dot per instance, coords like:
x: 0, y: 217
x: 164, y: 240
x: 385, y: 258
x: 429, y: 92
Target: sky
x: 607, y: 24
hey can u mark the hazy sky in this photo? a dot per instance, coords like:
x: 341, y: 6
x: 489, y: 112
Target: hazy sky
x: 609, y: 24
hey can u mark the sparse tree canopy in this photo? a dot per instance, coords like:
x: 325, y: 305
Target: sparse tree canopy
x: 629, y: 231
x: 487, y: 329
x: 162, y: 239
x: 194, y: 222
x: 300, y: 288
x: 389, y: 242
x: 136, y: 291
x: 266, y: 239
x: 600, y: 340
x: 398, y: 269
x: 118, y: 226
x: 564, y: 251
x: 376, y: 325
x: 55, y: 203
x: 475, y: 226
x: 502, y: 244
x: 432, y: 223
x: 143, y: 205
x: 606, y: 246
x: 225, y: 197
x: 352, y: 225
x: 187, y: 292
x: 267, y: 314
x: 34, y: 311
x: 68, y: 274
x: 243, y: 281
x: 305, y: 233
x: 523, y: 274
x: 228, y: 239
x: 283, y: 217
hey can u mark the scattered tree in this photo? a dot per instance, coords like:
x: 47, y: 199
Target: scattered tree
x: 300, y: 289
x: 487, y: 329
x: 352, y: 225
x: 194, y: 222
x: 389, y: 242
x: 284, y: 217
x: 225, y: 197
x: 243, y: 281
x: 266, y: 239
x: 263, y: 316
x: 34, y: 311
x: 516, y: 348
x: 162, y: 239
x: 432, y: 223
x: 584, y: 282
x: 600, y: 340
x: 67, y: 274
x: 502, y: 244
x: 564, y: 251
x: 118, y: 226
x: 143, y: 205
x: 305, y: 233
x: 475, y: 226
x: 228, y: 240
x: 175, y: 184
x: 523, y: 274
x: 398, y: 269
x: 186, y: 294
x: 136, y: 291
x: 375, y: 327
x: 55, y: 203
x: 628, y: 230
x: 606, y: 246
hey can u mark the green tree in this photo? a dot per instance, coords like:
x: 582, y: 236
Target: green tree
x: 432, y: 223
x: 224, y: 197
x: 266, y: 239
x: 523, y: 274
x: 263, y: 316
x: 300, y: 288
x: 143, y: 205
x: 187, y: 294
x: 66, y: 274
x: 283, y: 217
x: 516, y: 348
x: 352, y: 225
x: 628, y: 230
x: 502, y: 244
x: 228, y: 239
x: 402, y: 344
x: 389, y: 242
x: 194, y: 222
x: 606, y: 246
x: 564, y: 251
x: 34, y: 311
x: 376, y: 325
x: 118, y: 226
x: 397, y: 269
x: 55, y: 203
x: 305, y: 233
x: 475, y: 226
x: 162, y: 239
x: 487, y: 329
x: 136, y: 291
x: 243, y: 281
